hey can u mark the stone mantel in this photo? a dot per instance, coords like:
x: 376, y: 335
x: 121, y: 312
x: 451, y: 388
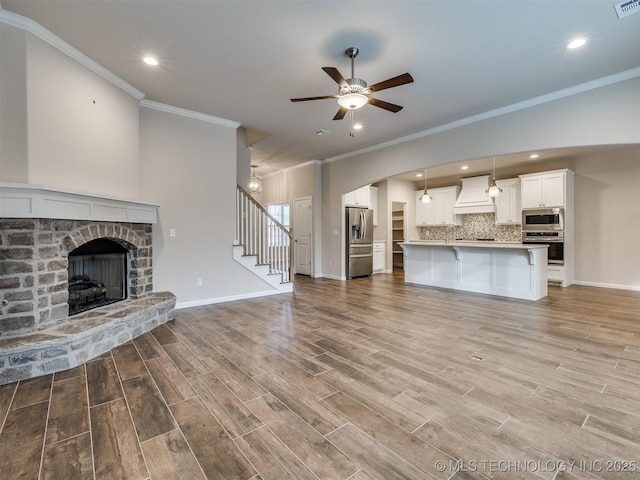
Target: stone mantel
x: 18, y: 200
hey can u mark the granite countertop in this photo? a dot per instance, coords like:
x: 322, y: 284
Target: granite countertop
x: 476, y: 244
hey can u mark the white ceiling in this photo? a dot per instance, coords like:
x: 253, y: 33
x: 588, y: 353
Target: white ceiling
x: 243, y: 60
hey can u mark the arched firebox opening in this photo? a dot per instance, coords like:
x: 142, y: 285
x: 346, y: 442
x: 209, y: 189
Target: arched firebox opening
x: 97, y: 275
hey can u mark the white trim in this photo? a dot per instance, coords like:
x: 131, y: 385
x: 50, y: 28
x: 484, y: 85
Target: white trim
x: 45, y: 35
x: 294, y: 167
x: 331, y: 277
x: 231, y: 298
x: 188, y: 113
x: 19, y: 200
x: 532, y: 102
x: 615, y: 286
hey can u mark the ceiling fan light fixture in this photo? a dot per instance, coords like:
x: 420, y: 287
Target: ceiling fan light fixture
x: 353, y: 101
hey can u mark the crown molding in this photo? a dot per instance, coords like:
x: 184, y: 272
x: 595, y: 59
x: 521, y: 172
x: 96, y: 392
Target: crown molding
x: 532, y: 102
x: 188, y: 113
x: 24, y: 23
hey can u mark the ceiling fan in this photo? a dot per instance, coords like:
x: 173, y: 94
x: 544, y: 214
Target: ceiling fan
x: 354, y: 92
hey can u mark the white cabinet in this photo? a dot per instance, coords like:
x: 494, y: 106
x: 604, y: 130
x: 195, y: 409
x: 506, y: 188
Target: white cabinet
x: 508, y: 210
x: 555, y: 274
x: 440, y: 210
x: 373, y: 204
x: 543, y: 190
x: 358, y: 198
x: 379, y: 249
x: 421, y: 210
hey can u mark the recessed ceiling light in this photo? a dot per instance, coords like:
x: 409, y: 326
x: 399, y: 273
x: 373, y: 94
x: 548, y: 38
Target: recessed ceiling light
x: 357, y: 126
x: 150, y: 61
x: 464, y: 167
x: 418, y: 174
x: 534, y: 155
x: 575, y: 43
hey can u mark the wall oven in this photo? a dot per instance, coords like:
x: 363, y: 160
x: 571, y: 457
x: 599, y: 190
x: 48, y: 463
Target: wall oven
x: 545, y: 219
x: 555, y: 240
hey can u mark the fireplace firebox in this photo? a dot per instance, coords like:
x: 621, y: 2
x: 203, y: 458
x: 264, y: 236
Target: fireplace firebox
x: 97, y: 275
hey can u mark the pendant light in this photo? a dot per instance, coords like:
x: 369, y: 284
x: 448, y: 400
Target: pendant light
x: 255, y: 184
x: 425, y: 198
x: 494, y: 190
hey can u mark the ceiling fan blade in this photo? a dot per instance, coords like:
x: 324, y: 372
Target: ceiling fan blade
x: 392, y: 82
x: 341, y: 113
x: 386, y: 105
x: 336, y: 75
x: 306, y: 99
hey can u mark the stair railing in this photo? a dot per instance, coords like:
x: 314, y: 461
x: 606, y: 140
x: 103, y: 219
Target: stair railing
x: 263, y: 236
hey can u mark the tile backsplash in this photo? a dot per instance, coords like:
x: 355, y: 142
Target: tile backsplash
x: 475, y: 226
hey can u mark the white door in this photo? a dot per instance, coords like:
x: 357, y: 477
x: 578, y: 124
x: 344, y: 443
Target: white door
x: 302, y: 223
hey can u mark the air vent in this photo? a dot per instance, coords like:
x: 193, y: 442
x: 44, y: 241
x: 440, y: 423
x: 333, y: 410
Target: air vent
x: 625, y: 9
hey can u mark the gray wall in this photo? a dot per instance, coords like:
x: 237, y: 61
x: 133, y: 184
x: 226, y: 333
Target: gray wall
x: 13, y: 105
x: 185, y: 166
x: 73, y: 128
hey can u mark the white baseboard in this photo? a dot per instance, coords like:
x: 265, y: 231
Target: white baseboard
x: 329, y: 277
x: 231, y: 298
x: 616, y: 286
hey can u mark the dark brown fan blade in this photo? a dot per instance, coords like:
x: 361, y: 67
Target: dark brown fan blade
x: 392, y: 82
x: 386, y: 105
x: 336, y: 75
x: 306, y: 99
x: 341, y: 113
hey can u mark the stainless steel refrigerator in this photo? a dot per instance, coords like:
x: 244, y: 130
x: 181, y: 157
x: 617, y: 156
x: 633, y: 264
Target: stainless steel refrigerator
x: 359, y: 235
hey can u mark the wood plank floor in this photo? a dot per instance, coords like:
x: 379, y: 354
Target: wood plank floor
x: 369, y: 378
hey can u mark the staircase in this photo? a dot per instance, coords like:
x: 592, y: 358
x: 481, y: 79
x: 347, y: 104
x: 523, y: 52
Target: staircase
x: 264, y: 244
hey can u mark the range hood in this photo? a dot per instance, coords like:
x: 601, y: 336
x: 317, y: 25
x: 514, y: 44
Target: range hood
x: 473, y: 197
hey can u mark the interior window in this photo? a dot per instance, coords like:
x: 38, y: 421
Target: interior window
x: 279, y: 211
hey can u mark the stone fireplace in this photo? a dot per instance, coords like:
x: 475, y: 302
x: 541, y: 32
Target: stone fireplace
x: 72, y: 288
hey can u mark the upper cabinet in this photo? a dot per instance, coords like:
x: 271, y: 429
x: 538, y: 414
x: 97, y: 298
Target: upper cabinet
x: 544, y: 189
x: 373, y: 203
x: 508, y: 210
x: 358, y: 198
x: 440, y: 210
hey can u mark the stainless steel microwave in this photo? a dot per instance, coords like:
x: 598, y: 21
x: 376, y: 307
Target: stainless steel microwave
x: 544, y: 219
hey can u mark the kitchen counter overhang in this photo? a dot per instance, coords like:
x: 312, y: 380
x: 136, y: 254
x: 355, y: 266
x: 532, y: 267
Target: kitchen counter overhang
x: 506, y: 269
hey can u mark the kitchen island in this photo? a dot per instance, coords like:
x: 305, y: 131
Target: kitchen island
x: 512, y: 270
